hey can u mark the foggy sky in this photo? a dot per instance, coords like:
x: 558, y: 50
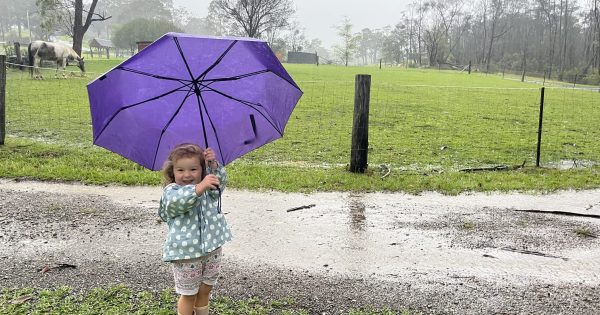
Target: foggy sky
x: 318, y: 17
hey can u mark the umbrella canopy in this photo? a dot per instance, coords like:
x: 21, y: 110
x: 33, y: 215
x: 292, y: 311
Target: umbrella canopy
x: 231, y: 94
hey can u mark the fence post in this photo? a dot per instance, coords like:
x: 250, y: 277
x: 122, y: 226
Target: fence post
x: 539, y: 138
x: 2, y: 98
x: 360, y: 128
x: 18, y: 52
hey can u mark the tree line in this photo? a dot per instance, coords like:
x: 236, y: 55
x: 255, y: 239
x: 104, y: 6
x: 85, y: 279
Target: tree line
x: 555, y: 38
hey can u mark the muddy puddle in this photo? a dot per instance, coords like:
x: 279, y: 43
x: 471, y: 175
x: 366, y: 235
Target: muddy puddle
x: 391, y: 236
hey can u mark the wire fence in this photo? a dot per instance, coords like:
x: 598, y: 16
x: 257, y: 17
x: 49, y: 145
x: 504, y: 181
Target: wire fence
x: 411, y: 127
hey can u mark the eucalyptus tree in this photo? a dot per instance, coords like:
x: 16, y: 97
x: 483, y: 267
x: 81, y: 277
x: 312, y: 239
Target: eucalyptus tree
x: 70, y: 16
x: 15, y: 14
x: 348, y: 47
x: 142, y: 30
x: 440, y: 18
x: 498, y: 25
x: 396, y: 43
x: 254, y: 17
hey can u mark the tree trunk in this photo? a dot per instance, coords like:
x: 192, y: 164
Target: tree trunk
x: 489, y: 53
x: 566, y: 28
x: 78, y: 27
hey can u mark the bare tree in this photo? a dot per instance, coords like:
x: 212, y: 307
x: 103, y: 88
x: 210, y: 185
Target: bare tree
x: 69, y: 14
x: 443, y: 16
x: 349, y: 41
x: 255, y: 17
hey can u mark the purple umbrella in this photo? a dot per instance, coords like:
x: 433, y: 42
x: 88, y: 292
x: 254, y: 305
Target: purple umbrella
x: 231, y: 94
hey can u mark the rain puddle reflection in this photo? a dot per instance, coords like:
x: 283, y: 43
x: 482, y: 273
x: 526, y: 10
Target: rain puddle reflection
x: 357, y: 215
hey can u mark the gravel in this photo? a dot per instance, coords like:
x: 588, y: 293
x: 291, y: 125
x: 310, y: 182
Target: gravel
x: 111, y: 242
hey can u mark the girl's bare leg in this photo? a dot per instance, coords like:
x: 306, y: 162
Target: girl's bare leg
x: 201, y: 305
x: 185, y: 306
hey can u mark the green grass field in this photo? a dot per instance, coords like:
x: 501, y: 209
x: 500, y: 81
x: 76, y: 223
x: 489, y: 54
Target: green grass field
x: 424, y: 126
x: 120, y: 299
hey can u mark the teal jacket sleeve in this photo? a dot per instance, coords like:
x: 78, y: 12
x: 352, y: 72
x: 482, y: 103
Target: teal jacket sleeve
x: 222, y: 176
x: 177, y: 200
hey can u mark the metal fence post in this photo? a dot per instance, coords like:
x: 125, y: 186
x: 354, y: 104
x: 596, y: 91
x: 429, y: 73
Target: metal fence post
x: 539, y: 138
x: 360, y: 128
x: 2, y: 98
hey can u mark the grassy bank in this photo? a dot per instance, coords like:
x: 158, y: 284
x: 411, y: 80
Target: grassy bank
x: 425, y: 126
x: 122, y: 300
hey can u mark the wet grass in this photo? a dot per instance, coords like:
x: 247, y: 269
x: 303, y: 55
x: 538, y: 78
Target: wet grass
x: 123, y: 300
x: 424, y: 126
x: 585, y: 232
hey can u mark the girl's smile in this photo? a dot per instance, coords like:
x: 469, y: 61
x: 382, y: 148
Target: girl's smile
x: 187, y: 171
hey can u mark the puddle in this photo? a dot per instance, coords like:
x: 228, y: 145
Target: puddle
x: 392, y: 236
x: 570, y: 164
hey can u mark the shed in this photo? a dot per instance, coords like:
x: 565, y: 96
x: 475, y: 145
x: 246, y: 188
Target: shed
x: 100, y: 44
x: 302, y: 57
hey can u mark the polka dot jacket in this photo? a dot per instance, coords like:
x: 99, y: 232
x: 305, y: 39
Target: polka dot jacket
x: 196, y: 227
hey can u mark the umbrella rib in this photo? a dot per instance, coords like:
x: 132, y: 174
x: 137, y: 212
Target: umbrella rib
x: 201, y: 104
x: 217, y: 61
x: 292, y: 83
x: 135, y: 104
x: 151, y: 75
x: 243, y: 76
x: 183, y: 57
x: 249, y: 104
x: 162, y: 132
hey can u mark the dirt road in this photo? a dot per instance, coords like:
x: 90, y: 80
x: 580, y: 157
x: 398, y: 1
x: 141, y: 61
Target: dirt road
x: 435, y: 254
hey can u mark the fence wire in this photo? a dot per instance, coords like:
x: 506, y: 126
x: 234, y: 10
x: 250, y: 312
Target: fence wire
x: 411, y: 127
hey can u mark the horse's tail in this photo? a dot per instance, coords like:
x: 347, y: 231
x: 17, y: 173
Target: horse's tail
x: 30, y: 57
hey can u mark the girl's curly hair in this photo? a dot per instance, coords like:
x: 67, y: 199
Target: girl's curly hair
x: 180, y: 151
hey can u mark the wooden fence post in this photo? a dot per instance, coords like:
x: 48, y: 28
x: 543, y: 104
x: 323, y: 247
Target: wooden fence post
x: 360, y: 128
x: 2, y: 98
x: 18, y: 52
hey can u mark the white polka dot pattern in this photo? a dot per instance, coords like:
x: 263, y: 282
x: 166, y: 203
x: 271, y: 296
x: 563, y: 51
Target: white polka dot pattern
x: 185, y: 213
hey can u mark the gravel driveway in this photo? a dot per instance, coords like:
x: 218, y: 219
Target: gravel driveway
x: 428, y: 253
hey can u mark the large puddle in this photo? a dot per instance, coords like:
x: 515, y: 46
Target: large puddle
x: 395, y: 236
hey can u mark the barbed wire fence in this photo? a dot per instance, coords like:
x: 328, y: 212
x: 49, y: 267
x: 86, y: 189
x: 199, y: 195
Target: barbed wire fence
x: 415, y: 128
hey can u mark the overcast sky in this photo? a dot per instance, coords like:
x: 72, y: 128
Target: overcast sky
x: 318, y: 17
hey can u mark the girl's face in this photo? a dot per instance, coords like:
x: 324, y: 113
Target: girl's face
x: 187, y: 171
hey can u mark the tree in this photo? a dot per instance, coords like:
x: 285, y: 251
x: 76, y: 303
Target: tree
x: 142, y: 30
x: 349, y: 41
x: 147, y: 9
x: 14, y: 13
x: 395, y: 43
x: 69, y: 15
x: 254, y: 17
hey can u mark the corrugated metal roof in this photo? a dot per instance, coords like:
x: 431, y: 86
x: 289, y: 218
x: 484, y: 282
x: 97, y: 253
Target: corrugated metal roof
x: 97, y: 42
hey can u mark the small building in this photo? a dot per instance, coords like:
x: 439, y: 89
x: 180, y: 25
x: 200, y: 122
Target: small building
x: 101, y: 44
x: 142, y: 44
x: 302, y: 57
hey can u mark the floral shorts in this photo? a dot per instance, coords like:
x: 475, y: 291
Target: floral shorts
x: 191, y: 273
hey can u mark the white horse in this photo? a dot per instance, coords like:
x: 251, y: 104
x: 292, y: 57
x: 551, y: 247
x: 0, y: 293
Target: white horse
x: 39, y: 50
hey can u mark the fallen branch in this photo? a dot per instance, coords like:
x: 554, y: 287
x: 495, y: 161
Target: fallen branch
x: 59, y: 266
x: 300, y: 208
x: 493, y: 168
x: 386, y: 169
x: 530, y: 252
x: 573, y: 214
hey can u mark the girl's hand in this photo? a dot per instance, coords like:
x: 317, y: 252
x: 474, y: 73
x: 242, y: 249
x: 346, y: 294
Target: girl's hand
x: 210, y: 157
x: 209, y: 182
